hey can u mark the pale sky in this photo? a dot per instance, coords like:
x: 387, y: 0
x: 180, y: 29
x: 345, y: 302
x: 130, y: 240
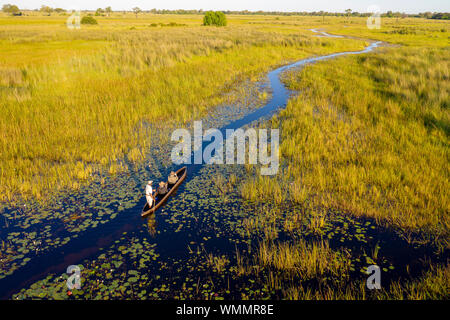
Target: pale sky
x: 408, y: 6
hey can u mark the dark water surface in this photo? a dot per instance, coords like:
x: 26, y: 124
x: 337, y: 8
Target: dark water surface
x: 172, y: 245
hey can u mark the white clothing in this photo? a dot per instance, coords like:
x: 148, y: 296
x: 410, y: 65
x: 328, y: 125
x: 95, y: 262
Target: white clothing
x: 148, y: 194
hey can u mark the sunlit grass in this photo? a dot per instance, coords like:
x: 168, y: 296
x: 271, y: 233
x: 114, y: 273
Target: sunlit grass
x: 434, y: 284
x: 369, y: 134
x: 284, y: 266
x: 89, y: 101
x: 217, y: 263
x: 308, y: 260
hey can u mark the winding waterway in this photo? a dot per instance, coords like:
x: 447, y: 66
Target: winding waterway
x: 170, y: 244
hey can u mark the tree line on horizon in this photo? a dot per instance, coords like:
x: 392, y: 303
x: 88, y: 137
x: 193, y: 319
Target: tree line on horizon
x: 14, y: 10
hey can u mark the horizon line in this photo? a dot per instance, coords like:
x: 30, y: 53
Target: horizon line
x: 233, y: 10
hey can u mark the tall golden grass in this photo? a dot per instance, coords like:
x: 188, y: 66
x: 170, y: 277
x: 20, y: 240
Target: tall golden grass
x: 370, y: 134
x: 76, y: 101
x: 307, y: 260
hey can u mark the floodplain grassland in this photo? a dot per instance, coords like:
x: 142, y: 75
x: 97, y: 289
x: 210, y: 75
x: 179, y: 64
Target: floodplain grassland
x: 74, y: 101
x: 367, y: 136
x: 370, y: 134
x: 309, y: 265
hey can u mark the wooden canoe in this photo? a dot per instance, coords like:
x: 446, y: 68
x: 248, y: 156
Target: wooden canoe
x: 160, y: 200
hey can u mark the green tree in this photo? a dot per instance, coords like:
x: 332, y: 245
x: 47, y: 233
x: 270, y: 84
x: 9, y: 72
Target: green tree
x: 11, y: 9
x: 108, y: 11
x: 46, y: 9
x: 214, y: 18
x: 208, y: 18
x: 99, y: 12
x: 136, y: 11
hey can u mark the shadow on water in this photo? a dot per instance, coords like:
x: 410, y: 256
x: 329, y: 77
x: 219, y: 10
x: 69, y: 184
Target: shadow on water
x: 88, y: 243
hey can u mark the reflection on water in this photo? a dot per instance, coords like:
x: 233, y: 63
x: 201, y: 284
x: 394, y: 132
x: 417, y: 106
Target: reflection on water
x: 151, y: 225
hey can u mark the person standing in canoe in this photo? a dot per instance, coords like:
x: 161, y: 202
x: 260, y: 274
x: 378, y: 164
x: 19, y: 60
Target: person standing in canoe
x: 173, y: 178
x: 149, y: 193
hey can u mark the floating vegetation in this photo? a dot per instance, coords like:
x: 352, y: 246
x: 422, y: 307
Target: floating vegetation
x: 201, y: 246
x: 226, y: 234
x: 65, y: 217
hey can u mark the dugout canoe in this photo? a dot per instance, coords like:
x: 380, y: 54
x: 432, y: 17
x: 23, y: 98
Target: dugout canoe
x: 160, y: 200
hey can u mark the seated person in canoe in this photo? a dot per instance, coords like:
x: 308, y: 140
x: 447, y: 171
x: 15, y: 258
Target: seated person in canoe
x: 173, y: 178
x: 162, y: 188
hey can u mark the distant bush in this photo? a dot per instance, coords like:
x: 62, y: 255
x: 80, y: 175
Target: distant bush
x: 171, y: 24
x: 404, y: 31
x: 214, y: 18
x: 88, y: 20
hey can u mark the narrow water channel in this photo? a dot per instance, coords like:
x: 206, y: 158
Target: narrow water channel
x: 89, y: 242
